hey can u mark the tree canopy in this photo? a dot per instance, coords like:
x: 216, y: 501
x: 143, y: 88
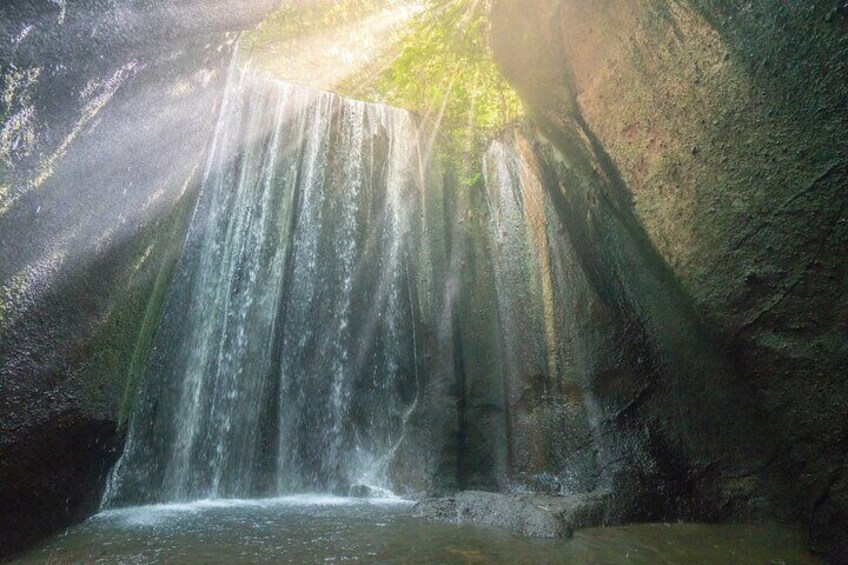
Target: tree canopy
x: 438, y: 64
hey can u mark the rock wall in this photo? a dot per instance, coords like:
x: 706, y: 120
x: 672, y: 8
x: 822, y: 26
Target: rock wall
x: 713, y: 134
x: 106, y: 112
x: 586, y: 367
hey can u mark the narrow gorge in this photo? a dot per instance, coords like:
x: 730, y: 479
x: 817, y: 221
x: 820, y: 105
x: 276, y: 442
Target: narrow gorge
x: 500, y: 281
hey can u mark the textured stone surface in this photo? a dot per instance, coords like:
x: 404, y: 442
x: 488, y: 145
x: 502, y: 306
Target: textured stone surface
x: 718, y: 132
x: 105, y: 118
x: 638, y: 397
x: 535, y: 515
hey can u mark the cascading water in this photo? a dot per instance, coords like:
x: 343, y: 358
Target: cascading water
x: 337, y: 318
x: 536, y: 279
x: 314, y: 338
x: 288, y: 356
x: 519, y: 217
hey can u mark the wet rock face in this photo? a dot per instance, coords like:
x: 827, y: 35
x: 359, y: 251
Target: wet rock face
x: 607, y: 378
x: 718, y: 130
x: 62, y: 464
x: 106, y: 112
x: 681, y: 233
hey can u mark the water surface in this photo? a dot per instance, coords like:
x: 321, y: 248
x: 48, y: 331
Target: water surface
x: 323, y: 529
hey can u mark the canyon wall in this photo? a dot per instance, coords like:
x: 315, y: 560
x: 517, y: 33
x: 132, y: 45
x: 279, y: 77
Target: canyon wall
x: 716, y: 134
x: 106, y: 113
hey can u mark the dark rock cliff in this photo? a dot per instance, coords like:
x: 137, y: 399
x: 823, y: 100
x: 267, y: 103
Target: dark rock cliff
x: 106, y: 113
x: 703, y: 150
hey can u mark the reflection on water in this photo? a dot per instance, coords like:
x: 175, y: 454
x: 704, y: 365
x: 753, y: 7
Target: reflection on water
x: 324, y: 529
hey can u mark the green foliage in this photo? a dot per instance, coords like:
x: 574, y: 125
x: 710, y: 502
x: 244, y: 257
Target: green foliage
x: 445, y: 71
x: 297, y: 19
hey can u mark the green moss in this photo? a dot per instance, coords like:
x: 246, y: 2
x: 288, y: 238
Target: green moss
x: 144, y: 341
x: 123, y: 342
x: 438, y: 64
x: 446, y: 71
x: 295, y: 20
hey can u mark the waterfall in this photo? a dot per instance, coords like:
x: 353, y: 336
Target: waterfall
x: 288, y: 356
x: 339, y: 318
x: 519, y: 217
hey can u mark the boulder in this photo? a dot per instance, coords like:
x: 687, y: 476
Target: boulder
x: 534, y: 515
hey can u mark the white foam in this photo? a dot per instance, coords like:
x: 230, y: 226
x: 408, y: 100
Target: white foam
x: 156, y: 513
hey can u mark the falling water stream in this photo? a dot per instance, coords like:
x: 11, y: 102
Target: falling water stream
x: 287, y: 358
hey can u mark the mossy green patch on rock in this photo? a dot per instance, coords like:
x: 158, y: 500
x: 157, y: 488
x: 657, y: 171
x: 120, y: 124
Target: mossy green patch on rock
x: 431, y: 57
x: 123, y: 342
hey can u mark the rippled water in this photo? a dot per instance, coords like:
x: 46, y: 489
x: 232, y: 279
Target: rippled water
x: 321, y: 529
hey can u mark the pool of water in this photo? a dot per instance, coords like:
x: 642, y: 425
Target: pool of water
x: 323, y: 529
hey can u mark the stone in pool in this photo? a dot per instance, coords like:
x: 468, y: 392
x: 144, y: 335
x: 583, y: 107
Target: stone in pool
x: 367, y: 491
x: 534, y: 515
